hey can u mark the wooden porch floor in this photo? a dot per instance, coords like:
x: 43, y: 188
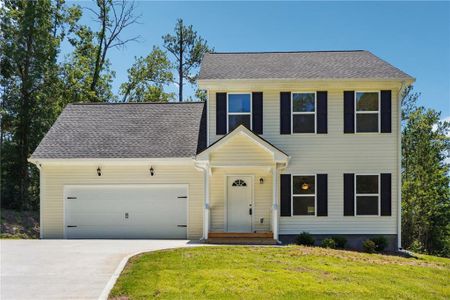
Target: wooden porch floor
x: 241, y: 238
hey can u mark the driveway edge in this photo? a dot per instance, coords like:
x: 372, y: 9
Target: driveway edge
x: 112, y: 281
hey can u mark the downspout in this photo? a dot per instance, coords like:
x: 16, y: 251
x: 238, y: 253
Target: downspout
x: 399, y: 166
x: 205, y: 169
x: 41, y: 184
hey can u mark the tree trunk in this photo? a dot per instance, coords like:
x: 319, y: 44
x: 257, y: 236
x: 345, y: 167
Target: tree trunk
x: 180, y: 68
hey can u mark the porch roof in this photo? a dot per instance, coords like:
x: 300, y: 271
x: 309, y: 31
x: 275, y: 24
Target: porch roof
x: 278, y: 155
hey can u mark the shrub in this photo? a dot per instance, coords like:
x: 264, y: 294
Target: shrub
x: 340, y: 241
x: 305, y: 238
x: 380, y: 243
x: 369, y: 246
x: 329, y: 243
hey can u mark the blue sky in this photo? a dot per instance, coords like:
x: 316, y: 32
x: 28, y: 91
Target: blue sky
x: 413, y: 36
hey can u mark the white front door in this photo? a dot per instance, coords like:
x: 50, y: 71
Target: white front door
x: 239, y: 203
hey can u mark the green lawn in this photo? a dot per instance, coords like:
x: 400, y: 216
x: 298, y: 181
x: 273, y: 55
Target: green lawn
x: 291, y: 272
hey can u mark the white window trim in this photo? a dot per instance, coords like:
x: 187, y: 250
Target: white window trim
x: 240, y: 113
x: 378, y: 112
x: 303, y: 195
x: 303, y: 112
x: 371, y: 195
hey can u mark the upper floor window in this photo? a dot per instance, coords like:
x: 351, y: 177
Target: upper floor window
x: 367, y: 111
x: 239, y: 111
x: 304, y: 195
x: 303, y: 112
x: 367, y: 195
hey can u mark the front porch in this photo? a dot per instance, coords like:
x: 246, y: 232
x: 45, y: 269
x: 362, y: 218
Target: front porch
x: 242, y: 238
x: 241, y: 174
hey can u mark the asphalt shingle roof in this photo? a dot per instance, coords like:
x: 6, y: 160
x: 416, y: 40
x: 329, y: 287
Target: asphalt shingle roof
x: 357, y: 64
x: 139, y: 130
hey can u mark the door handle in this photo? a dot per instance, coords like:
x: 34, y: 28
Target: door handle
x: 250, y: 211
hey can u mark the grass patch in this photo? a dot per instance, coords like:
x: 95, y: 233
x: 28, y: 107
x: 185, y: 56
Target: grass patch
x: 292, y: 272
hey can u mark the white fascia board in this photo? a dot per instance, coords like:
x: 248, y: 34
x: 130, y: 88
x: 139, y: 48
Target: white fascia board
x: 111, y: 161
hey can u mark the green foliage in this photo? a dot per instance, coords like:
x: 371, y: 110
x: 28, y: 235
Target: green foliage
x: 187, y: 48
x: 425, y: 179
x: 328, y: 243
x: 147, y: 77
x: 305, y: 239
x: 369, y: 246
x: 340, y: 241
x: 380, y: 243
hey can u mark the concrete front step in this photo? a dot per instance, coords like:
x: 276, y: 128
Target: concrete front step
x: 242, y: 241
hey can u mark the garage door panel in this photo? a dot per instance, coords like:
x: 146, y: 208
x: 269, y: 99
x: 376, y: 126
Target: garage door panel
x: 126, y: 211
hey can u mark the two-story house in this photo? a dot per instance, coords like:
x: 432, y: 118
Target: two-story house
x: 286, y: 142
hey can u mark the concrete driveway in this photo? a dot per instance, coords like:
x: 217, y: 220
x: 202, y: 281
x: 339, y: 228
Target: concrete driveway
x: 66, y: 269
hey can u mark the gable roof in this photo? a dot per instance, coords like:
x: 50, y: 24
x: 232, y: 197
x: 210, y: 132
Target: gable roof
x: 357, y: 64
x: 278, y: 155
x: 127, y: 130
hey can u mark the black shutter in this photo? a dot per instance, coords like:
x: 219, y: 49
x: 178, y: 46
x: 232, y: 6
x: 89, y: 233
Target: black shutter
x: 349, y: 112
x: 322, y: 111
x: 386, y: 194
x: 285, y: 195
x: 322, y: 195
x: 285, y: 113
x: 386, y: 111
x: 221, y: 113
x: 257, y: 112
x: 349, y: 194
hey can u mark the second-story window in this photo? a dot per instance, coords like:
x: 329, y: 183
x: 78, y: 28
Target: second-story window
x: 367, y: 111
x: 239, y: 110
x: 303, y: 113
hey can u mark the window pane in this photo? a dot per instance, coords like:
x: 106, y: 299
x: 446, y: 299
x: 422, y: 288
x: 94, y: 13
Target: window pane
x: 303, y: 206
x: 303, y: 102
x: 303, y: 123
x: 366, y: 184
x: 367, y: 101
x: 238, y: 103
x: 367, y: 122
x: 235, y: 120
x: 367, y: 205
x: 303, y: 185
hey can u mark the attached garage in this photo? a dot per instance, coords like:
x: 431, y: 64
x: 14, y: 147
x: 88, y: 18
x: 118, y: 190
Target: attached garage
x: 144, y: 211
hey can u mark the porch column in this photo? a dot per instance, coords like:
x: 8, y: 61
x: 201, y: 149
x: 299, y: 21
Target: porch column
x: 275, y: 203
x: 206, y: 204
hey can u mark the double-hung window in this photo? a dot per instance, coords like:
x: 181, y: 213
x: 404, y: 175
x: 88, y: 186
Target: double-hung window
x: 239, y: 111
x: 367, y: 111
x: 304, y: 195
x: 367, y: 195
x: 303, y: 112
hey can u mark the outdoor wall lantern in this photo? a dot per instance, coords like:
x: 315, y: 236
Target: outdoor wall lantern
x: 152, y: 171
x: 261, y: 180
x: 99, y: 171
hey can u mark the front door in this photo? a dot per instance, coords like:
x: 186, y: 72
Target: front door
x: 239, y: 203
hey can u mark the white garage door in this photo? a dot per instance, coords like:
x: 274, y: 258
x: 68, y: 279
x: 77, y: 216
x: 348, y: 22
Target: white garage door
x: 135, y: 211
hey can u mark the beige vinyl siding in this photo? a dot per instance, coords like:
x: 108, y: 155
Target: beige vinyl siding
x: 262, y: 197
x: 240, y: 150
x: 54, y: 178
x: 334, y: 153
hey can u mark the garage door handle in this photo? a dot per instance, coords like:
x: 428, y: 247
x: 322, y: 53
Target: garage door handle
x: 182, y: 197
x: 71, y: 197
x: 71, y: 226
x: 181, y: 225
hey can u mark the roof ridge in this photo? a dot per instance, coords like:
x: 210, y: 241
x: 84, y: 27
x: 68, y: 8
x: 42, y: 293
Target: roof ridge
x: 133, y: 103
x: 281, y: 52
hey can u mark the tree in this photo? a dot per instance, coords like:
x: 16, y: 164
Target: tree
x: 113, y: 17
x: 147, y: 77
x: 188, y: 49
x: 425, y: 179
x: 31, y: 34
